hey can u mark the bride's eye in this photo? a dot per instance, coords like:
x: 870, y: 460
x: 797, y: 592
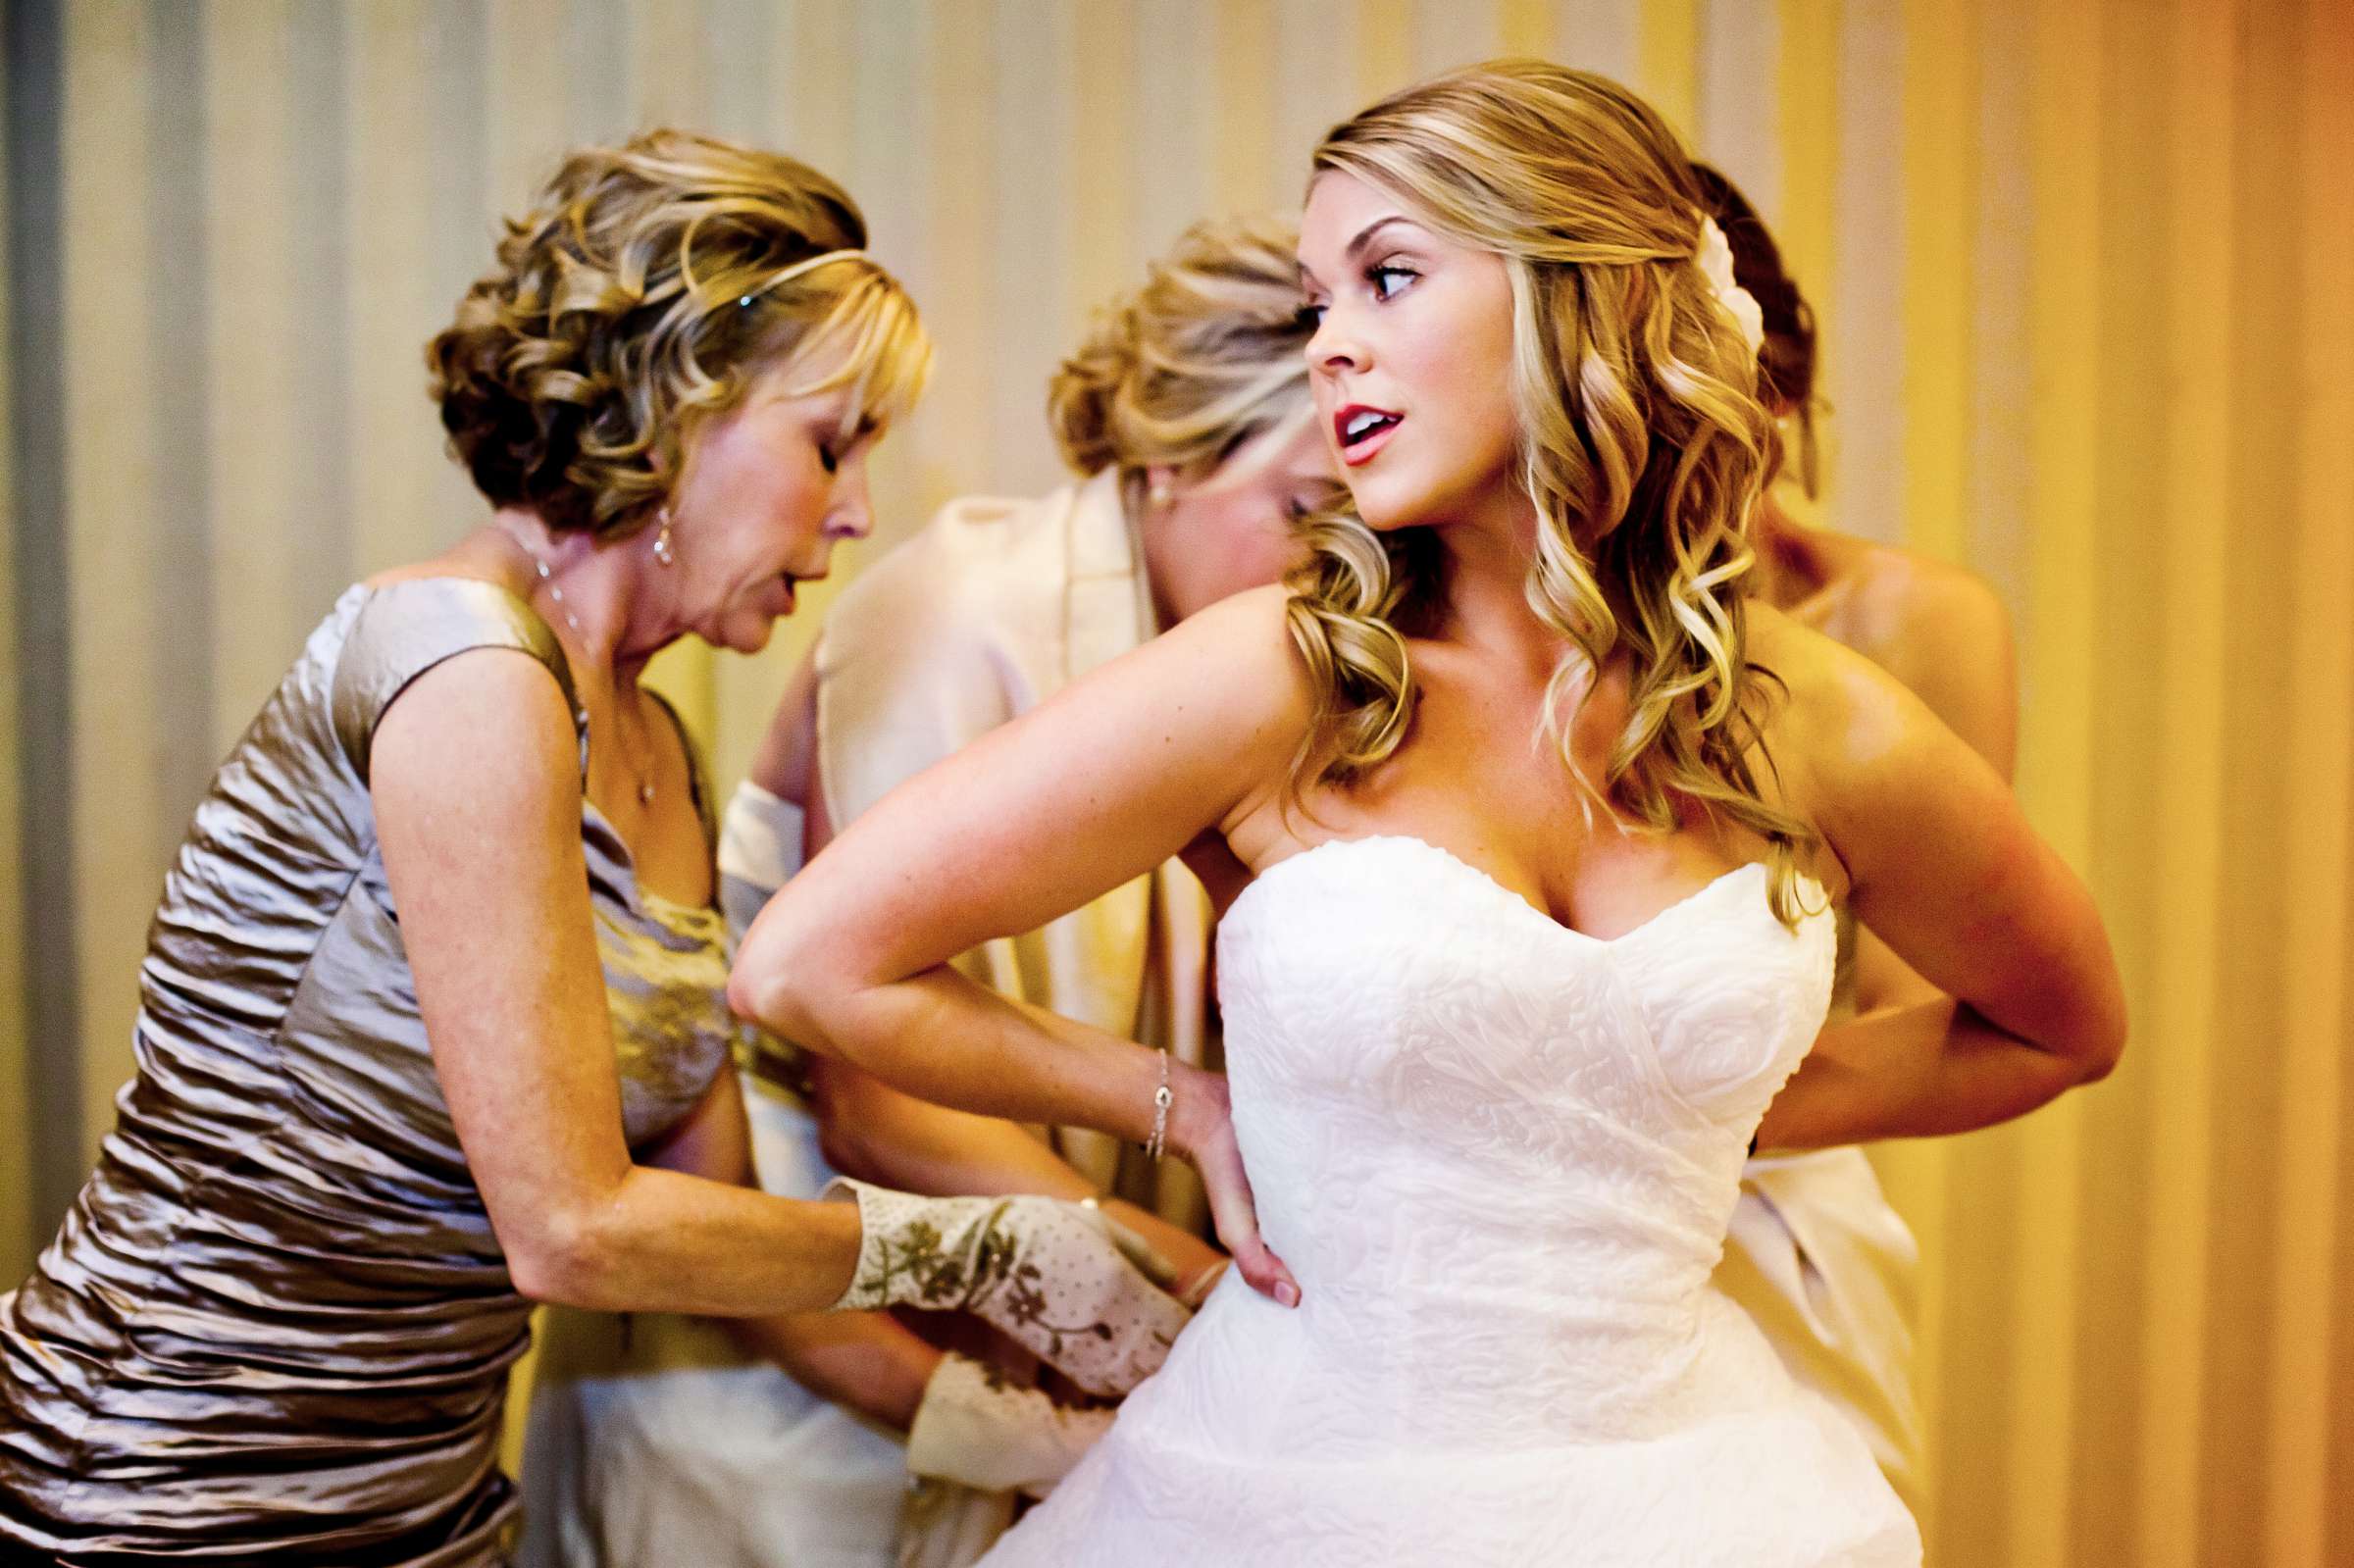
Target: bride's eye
x: 1389, y: 279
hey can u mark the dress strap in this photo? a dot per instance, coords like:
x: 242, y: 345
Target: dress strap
x: 404, y: 628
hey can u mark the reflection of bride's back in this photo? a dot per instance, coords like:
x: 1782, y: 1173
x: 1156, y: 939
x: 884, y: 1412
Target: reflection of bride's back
x: 1499, y: 1156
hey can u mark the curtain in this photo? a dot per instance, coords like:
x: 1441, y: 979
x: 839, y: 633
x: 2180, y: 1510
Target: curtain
x: 2082, y: 268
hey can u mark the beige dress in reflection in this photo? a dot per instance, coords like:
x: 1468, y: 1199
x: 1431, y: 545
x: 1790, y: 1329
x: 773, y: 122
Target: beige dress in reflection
x: 275, y: 1326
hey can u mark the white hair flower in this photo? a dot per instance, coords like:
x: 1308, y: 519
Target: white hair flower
x: 1714, y: 259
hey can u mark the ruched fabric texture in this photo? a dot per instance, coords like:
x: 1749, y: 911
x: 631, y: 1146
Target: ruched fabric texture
x: 276, y: 1325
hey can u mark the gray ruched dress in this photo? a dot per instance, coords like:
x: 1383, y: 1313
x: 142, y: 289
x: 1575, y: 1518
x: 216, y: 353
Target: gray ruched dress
x: 275, y: 1326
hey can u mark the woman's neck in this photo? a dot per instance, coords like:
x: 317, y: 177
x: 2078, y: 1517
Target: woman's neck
x: 590, y: 593
x: 1485, y: 562
x: 1791, y: 566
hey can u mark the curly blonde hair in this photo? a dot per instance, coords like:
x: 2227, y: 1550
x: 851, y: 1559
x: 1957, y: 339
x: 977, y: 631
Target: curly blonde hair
x: 649, y: 285
x: 1202, y: 357
x: 1643, y: 446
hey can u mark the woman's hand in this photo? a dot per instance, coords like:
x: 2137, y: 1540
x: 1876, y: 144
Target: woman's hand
x: 1056, y: 1277
x: 977, y: 1428
x: 1201, y: 1129
x: 1178, y: 740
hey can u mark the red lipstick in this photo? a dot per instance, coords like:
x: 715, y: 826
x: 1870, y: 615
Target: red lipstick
x: 1361, y: 430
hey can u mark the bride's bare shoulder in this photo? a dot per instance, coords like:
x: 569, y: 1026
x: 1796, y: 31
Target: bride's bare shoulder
x: 1240, y: 654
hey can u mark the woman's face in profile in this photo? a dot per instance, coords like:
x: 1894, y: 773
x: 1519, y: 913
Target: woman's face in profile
x: 769, y: 488
x: 1234, y: 528
x: 1412, y: 362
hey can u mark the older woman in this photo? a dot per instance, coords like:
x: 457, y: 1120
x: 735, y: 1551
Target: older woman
x: 1185, y: 415
x: 433, y: 1017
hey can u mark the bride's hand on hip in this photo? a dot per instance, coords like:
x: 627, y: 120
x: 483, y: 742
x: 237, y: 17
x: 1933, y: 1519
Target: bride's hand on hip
x: 1201, y: 1129
x: 1057, y: 1278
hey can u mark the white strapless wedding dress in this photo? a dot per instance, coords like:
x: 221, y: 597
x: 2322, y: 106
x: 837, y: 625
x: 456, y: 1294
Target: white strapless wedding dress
x: 1499, y: 1157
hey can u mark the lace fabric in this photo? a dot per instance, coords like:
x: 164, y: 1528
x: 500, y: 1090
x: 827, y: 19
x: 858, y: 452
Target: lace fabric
x: 1500, y: 1156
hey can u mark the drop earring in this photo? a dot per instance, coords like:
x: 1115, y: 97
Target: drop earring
x: 662, y: 550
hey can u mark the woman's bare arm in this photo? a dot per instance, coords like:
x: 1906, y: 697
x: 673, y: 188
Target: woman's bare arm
x: 867, y: 1361
x: 1945, y: 868
x: 474, y: 778
x: 1952, y: 648
x: 880, y: 1134
x: 876, y: 1132
x: 1183, y: 736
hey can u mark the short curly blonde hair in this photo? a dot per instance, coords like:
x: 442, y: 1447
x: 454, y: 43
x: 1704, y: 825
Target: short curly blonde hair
x: 649, y: 285
x: 1202, y: 357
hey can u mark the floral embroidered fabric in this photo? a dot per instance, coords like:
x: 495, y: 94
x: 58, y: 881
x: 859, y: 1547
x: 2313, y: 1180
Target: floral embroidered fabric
x: 1057, y: 1277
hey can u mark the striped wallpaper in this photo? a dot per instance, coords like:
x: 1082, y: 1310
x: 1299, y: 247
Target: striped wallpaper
x: 2084, y: 274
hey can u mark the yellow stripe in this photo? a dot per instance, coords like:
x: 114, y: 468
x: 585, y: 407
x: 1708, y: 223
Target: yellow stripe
x: 1244, y: 134
x: 1525, y: 26
x: 2312, y: 1287
x: 1668, y: 56
x: 1385, y: 44
x: 2194, y: 530
x: 1810, y: 138
x: 1940, y: 88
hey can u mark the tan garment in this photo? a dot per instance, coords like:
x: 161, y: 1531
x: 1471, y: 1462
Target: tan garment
x: 991, y: 609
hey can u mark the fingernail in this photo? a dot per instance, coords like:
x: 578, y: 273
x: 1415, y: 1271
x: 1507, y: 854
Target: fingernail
x: 1287, y: 1293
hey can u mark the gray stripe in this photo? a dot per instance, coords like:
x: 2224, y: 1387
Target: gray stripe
x: 457, y: 71
x: 181, y: 608
x: 596, y: 45
x: 736, y: 68
x: 44, y: 738
x: 318, y: 131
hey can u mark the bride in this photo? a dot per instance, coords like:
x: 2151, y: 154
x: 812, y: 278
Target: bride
x: 1538, y: 824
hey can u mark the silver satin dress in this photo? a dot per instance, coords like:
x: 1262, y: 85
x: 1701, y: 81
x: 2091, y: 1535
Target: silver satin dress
x: 275, y: 1326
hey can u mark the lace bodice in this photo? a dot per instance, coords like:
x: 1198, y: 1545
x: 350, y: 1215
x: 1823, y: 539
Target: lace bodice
x: 1500, y: 1156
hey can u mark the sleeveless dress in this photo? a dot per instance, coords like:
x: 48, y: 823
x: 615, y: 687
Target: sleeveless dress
x: 1500, y: 1156
x: 275, y: 1326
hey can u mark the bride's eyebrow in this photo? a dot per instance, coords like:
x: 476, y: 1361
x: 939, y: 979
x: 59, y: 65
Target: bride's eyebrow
x: 1364, y: 236
x: 1355, y: 247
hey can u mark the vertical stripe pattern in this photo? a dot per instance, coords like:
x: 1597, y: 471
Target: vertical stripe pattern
x: 2084, y: 280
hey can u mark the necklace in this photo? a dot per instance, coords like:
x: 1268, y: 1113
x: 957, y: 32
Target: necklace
x: 555, y: 596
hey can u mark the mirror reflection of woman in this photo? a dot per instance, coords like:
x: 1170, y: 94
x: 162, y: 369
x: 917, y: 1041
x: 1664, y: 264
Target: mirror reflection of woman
x: 1544, y: 820
x: 432, y: 1019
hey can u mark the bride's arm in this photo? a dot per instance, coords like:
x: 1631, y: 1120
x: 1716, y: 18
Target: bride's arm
x: 1944, y: 867
x: 1186, y: 735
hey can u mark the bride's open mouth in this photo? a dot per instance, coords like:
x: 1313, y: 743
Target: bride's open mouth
x: 1363, y: 431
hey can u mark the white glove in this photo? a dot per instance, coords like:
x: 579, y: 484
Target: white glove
x: 980, y: 1430
x: 1057, y: 1276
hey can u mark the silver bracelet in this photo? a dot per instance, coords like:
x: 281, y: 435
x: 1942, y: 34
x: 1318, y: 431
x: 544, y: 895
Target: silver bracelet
x: 1162, y: 1098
